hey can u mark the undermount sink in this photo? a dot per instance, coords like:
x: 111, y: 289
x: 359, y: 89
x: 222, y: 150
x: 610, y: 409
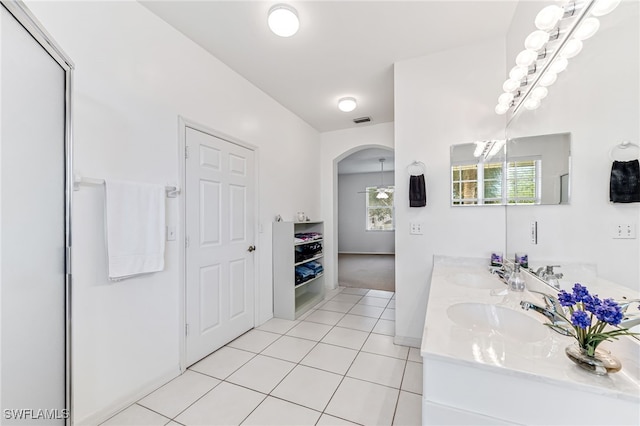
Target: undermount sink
x: 475, y: 280
x: 506, y: 322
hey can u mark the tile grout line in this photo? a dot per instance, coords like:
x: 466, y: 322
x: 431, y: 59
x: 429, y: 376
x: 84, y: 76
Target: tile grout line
x: 298, y: 363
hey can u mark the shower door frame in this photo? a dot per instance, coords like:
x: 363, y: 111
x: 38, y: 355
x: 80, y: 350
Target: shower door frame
x: 24, y: 16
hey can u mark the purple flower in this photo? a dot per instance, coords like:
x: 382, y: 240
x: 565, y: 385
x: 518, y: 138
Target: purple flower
x: 609, y: 311
x: 591, y: 303
x: 580, y: 319
x: 580, y: 293
x: 566, y: 299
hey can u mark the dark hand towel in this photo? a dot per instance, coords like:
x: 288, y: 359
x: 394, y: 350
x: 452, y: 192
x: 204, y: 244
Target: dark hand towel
x: 417, y: 191
x: 625, y: 182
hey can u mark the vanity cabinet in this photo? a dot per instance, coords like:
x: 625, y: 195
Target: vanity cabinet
x: 508, y: 367
x: 293, y: 297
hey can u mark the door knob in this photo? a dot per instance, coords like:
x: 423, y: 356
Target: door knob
x: 251, y: 248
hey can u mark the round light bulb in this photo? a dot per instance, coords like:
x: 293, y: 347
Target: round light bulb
x: 603, y: 7
x: 587, y: 29
x: 505, y: 99
x: 526, y: 57
x: 347, y: 104
x: 502, y: 109
x: 548, y: 17
x: 572, y: 48
x: 510, y: 85
x: 536, y: 40
x: 283, y: 20
x: 532, y: 103
x: 559, y: 65
x: 518, y: 72
x: 539, y: 92
x: 548, y: 79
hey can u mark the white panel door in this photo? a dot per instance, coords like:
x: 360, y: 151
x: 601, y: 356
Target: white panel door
x: 220, y: 236
x: 32, y: 226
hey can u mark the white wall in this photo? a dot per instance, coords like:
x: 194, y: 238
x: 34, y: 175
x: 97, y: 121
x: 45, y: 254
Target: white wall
x: 334, y: 147
x: 597, y: 99
x: 134, y: 76
x: 442, y: 99
x: 353, y: 236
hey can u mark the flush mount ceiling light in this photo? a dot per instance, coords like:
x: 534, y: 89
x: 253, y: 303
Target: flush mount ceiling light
x: 561, y: 30
x: 347, y: 104
x: 283, y: 20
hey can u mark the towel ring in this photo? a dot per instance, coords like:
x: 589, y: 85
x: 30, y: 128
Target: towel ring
x: 622, y: 145
x: 416, y: 168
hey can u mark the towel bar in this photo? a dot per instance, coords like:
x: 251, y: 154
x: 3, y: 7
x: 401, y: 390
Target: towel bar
x: 171, y: 191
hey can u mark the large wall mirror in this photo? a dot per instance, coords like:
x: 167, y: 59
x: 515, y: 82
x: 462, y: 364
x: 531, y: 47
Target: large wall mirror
x: 533, y: 170
x: 595, y: 100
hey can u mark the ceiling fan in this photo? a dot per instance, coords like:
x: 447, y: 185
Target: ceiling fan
x: 382, y: 191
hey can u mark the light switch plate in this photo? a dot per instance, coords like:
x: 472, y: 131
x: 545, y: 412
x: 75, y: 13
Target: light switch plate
x: 171, y: 233
x: 534, y: 232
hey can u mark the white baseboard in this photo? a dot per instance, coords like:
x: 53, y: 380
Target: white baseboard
x: 407, y: 341
x: 111, y: 410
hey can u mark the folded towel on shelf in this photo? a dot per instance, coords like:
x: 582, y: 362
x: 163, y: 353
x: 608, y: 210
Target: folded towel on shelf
x: 316, y: 267
x: 417, y: 191
x: 135, y: 226
x: 624, y: 186
x: 303, y: 274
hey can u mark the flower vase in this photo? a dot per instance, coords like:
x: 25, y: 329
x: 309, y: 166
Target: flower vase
x: 601, y: 363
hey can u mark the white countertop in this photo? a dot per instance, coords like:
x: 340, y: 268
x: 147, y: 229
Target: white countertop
x: 539, y: 356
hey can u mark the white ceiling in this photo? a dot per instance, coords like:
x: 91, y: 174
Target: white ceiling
x: 343, y: 48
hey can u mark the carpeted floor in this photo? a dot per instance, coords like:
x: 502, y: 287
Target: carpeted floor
x: 373, y: 271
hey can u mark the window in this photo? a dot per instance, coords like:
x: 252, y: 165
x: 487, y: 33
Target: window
x: 379, y: 210
x: 514, y: 182
x: 477, y: 184
x: 523, y: 182
x: 465, y: 184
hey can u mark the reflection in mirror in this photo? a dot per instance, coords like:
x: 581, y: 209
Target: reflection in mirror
x: 538, y: 169
x: 528, y: 171
x: 597, y: 100
x: 478, y: 173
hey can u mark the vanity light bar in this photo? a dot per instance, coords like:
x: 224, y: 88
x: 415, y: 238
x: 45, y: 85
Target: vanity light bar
x: 487, y: 149
x: 547, y: 51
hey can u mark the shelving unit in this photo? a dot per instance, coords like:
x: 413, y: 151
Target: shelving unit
x: 291, y: 300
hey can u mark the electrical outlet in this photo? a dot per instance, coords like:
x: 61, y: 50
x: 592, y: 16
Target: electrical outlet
x: 624, y: 231
x: 415, y: 228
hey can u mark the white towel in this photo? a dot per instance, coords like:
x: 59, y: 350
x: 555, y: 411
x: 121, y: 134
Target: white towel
x: 135, y: 228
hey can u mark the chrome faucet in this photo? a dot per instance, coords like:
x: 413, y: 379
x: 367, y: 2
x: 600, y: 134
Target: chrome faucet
x: 552, y: 310
x: 547, y: 275
x: 551, y: 302
x: 629, y: 320
x: 502, y: 273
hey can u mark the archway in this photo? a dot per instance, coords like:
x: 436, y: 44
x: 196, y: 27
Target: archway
x: 365, y: 241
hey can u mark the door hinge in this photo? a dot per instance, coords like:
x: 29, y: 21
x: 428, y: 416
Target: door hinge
x: 186, y: 329
x: 186, y: 152
x: 186, y: 242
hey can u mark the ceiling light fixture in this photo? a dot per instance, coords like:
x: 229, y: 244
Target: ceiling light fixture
x: 485, y: 150
x: 347, y: 104
x: 283, y: 20
x: 559, y: 37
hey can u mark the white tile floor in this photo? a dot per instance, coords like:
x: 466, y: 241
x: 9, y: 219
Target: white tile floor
x: 337, y: 366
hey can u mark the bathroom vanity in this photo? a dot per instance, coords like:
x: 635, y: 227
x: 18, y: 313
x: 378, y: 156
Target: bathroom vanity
x: 487, y: 361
